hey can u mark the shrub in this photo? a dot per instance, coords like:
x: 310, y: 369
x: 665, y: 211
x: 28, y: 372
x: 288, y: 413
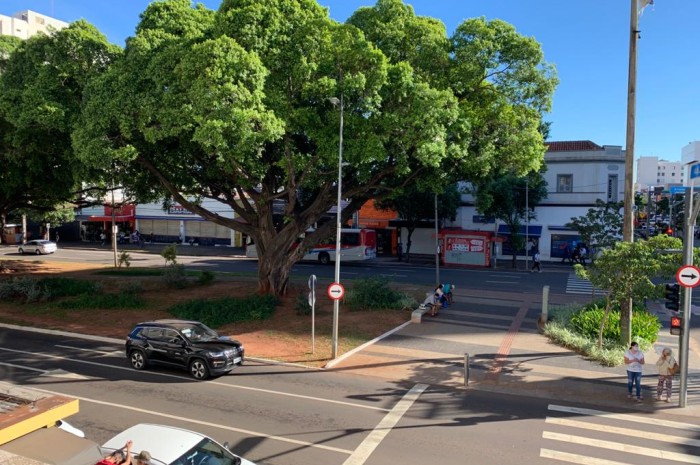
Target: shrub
x: 302, y: 305
x: 131, y: 287
x: 205, y: 277
x: 121, y: 300
x: 169, y: 253
x: 174, y: 276
x: 645, y: 326
x: 124, y: 259
x: 33, y: 290
x: 375, y: 293
x: 218, y: 312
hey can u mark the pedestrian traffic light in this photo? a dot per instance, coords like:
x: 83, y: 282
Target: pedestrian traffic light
x: 673, y: 297
x: 676, y: 325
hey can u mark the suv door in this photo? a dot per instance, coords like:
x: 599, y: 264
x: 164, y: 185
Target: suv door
x: 174, y: 347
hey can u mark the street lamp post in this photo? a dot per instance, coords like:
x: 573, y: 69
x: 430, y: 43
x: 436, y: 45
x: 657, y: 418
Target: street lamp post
x: 336, y: 302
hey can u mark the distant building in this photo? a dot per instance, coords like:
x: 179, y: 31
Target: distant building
x: 26, y: 24
x: 651, y: 171
x: 690, y: 155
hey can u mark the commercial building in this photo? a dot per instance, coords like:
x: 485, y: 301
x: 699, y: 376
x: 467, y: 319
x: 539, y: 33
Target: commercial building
x: 652, y: 171
x: 26, y: 24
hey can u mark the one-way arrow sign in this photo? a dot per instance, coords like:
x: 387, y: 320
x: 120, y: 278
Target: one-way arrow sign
x: 688, y: 276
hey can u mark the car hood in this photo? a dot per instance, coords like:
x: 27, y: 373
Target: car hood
x: 217, y: 344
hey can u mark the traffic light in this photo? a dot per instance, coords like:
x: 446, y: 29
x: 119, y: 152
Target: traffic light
x: 673, y: 297
x: 676, y: 325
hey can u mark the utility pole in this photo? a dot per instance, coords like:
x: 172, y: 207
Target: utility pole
x: 628, y: 225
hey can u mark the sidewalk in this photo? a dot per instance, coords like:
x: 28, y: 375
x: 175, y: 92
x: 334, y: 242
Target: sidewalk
x: 498, y: 332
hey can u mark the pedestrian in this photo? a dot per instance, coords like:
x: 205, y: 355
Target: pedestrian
x: 667, y: 368
x: 584, y: 253
x: 144, y: 458
x: 102, y: 238
x: 567, y: 254
x: 57, y: 237
x: 536, y: 262
x: 432, y: 303
x: 441, y: 297
x: 447, y: 289
x: 634, y: 359
x: 118, y: 457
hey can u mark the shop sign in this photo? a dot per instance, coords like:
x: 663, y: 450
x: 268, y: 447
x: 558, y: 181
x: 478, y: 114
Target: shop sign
x: 178, y: 210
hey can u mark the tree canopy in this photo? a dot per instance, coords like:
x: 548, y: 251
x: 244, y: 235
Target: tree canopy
x: 237, y: 105
x: 41, y: 92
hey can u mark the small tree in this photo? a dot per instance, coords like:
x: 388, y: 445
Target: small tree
x: 511, y: 199
x: 601, y: 227
x: 415, y: 205
x: 626, y: 271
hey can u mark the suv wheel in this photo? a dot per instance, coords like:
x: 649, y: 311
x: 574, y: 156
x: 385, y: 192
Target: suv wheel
x: 21, y: 251
x: 138, y: 359
x: 324, y: 258
x: 37, y: 251
x: 199, y: 369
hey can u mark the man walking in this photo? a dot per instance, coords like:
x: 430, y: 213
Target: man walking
x: 536, y: 262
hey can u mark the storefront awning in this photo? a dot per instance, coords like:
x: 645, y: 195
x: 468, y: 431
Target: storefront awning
x: 531, y: 230
x: 118, y: 218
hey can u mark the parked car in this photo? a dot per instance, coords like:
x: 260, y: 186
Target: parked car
x: 184, y: 344
x: 38, y: 247
x: 175, y: 446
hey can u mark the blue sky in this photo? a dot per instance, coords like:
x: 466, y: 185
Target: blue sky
x: 587, y: 41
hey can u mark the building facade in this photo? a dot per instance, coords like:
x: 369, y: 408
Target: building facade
x: 26, y: 24
x: 652, y: 171
x: 578, y: 173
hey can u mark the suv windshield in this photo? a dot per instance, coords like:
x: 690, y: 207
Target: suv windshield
x: 207, y: 452
x: 197, y: 332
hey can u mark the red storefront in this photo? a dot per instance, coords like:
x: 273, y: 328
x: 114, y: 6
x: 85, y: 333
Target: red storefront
x: 466, y: 248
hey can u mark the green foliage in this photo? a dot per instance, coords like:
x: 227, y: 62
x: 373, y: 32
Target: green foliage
x: 601, y: 227
x: 34, y: 290
x: 174, y: 276
x: 248, y: 110
x: 169, y: 253
x: 302, y: 305
x: 131, y: 287
x: 205, y: 277
x: 122, y: 300
x: 376, y: 293
x: 218, y: 312
x: 124, y: 259
x: 576, y: 327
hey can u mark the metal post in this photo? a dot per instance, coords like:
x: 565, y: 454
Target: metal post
x: 684, y: 338
x: 312, y: 303
x: 114, y: 229
x: 527, y: 223
x: 437, y: 245
x: 466, y: 369
x: 336, y: 302
x: 545, y: 305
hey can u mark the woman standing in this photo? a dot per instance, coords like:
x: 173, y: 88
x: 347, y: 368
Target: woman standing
x: 634, y: 359
x: 667, y: 368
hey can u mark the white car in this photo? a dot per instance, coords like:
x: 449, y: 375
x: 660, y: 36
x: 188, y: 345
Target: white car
x: 174, y: 446
x: 38, y: 247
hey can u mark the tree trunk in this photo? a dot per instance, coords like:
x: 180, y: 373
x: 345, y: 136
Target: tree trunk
x: 273, y: 275
x: 514, y: 261
x: 603, y: 321
x: 408, y: 243
x: 2, y: 227
x: 626, y: 322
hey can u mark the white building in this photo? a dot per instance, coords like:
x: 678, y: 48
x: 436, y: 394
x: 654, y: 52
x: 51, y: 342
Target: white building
x: 690, y: 154
x: 651, y: 171
x: 578, y: 173
x: 26, y: 24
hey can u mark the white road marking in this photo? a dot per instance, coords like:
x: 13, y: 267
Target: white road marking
x: 205, y: 423
x: 622, y: 447
x: 372, y: 441
x: 575, y: 458
x: 503, y: 282
x: 635, y: 433
x: 54, y: 373
x: 230, y: 386
x: 393, y: 275
x: 631, y: 418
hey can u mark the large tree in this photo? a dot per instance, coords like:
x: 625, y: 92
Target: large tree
x: 601, y: 227
x: 237, y: 105
x: 41, y: 86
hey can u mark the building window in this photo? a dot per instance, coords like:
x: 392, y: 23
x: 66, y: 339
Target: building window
x: 565, y: 183
x: 612, y: 188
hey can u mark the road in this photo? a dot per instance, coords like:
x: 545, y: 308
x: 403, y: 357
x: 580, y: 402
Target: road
x: 279, y: 415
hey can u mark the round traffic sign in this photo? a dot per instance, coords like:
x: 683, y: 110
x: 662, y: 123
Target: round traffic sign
x: 336, y: 291
x: 688, y: 276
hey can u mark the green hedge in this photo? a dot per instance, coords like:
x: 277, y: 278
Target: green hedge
x: 218, y: 312
x: 586, y: 322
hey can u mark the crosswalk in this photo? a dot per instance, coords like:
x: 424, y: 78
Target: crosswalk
x: 595, y: 437
x: 576, y: 285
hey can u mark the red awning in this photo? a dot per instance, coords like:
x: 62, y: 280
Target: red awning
x: 109, y: 218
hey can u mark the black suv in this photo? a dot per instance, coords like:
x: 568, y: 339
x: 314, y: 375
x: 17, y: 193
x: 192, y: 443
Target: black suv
x: 185, y: 344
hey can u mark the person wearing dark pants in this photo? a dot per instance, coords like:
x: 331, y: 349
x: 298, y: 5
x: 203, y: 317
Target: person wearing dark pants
x: 536, y: 262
